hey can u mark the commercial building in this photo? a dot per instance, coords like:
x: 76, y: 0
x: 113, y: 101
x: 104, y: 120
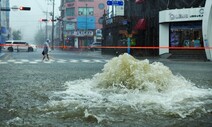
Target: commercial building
x: 183, y: 28
x: 163, y: 26
x: 81, y: 22
x: 179, y: 28
x: 4, y: 21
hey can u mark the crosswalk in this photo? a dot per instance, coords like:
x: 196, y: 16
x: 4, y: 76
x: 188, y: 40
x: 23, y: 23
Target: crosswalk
x: 36, y: 61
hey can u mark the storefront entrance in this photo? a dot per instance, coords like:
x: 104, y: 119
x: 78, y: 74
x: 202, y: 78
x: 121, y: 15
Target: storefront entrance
x: 186, y: 34
x: 180, y: 32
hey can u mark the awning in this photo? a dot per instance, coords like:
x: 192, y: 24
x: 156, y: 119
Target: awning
x: 140, y: 25
x: 139, y: 1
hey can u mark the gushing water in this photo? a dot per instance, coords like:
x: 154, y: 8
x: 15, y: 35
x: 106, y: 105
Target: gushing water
x: 128, y: 87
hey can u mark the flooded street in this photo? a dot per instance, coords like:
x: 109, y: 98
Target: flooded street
x: 91, y: 92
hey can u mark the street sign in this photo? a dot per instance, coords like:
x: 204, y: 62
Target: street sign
x: 115, y: 2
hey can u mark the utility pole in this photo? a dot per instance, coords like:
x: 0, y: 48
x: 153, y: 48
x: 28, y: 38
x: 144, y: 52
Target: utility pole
x: 53, y: 25
x: 46, y: 37
x: 86, y: 27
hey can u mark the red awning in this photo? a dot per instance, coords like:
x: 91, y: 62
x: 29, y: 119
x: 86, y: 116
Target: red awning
x: 139, y: 1
x: 140, y: 25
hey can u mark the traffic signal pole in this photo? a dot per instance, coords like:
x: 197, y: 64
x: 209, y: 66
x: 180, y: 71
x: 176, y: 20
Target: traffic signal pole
x: 53, y: 26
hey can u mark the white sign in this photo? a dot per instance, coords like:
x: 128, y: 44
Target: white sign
x: 189, y: 14
x: 81, y: 33
x: 70, y: 26
x: 119, y: 11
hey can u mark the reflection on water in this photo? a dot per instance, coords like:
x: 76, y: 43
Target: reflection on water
x: 128, y: 92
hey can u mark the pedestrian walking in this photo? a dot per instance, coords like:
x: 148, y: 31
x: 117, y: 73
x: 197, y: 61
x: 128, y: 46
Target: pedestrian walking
x: 46, y: 49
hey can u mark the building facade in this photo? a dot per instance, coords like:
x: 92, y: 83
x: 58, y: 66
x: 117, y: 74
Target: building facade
x: 4, y: 21
x: 80, y: 21
x: 144, y: 23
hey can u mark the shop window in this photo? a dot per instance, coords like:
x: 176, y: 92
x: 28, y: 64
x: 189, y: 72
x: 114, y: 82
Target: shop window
x: 186, y: 34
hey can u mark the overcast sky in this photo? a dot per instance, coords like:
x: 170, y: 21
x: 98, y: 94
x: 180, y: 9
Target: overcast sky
x: 28, y: 21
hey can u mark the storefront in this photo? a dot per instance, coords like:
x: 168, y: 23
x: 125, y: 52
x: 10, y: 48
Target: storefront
x: 82, y: 38
x: 186, y: 34
x: 180, y: 28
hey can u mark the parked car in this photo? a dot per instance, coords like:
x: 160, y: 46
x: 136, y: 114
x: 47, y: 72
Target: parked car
x: 95, y: 46
x: 19, y: 45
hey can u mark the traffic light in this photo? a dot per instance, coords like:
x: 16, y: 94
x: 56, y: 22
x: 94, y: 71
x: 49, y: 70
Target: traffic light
x: 43, y: 20
x: 24, y: 8
x: 52, y: 20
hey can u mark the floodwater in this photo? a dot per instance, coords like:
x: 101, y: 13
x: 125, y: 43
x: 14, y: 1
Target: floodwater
x: 128, y: 92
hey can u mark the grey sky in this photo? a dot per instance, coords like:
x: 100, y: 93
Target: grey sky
x: 28, y: 21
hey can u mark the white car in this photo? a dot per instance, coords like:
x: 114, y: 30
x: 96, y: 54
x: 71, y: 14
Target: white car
x: 19, y: 45
x: 95, y: 46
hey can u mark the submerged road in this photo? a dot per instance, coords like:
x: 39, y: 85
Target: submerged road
x: 28, y: 86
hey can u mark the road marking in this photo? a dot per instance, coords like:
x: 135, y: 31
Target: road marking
x: 73, y: 61
x: 11, y: 60
x: 97, y: 61
x: 25, y: 60
x: 3, y: 62
x: 33, y: 62
x: 18, y: 62
x: 36, y: 61
x: 86, y: 61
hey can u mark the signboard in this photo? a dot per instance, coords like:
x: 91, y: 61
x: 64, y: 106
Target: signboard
x: 115, y: 2
x: 86, y: 22
x: 119, y: 11
x: 176, y: 15
x: 82, y: 33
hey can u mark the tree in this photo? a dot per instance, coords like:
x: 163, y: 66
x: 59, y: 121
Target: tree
x: 40, y: 37
x: 17, y: 35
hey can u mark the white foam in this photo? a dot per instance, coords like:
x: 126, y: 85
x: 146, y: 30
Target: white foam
x: 126, y: 82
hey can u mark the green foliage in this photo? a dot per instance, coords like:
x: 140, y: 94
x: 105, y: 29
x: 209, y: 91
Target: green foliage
x: 17, y: 35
